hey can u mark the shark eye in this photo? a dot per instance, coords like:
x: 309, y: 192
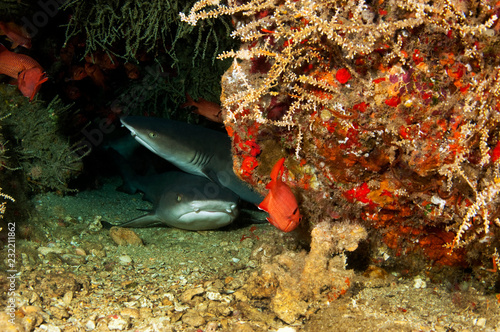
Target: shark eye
x: 152, y: 134
x: 179, y: 198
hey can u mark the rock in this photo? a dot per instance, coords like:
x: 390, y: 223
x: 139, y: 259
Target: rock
x: 33, y: 316
x: 89, y: 325
x: 287, y: 306
x: 188, y: 294
x: 131, y: 312
x: 481, y: 322
x: 145, y: 313
x: 73, y: 260
x: 49, y: 328
x: 124, y: 236
x: 125, y: 259
x: 30, y: 310
x: 286, y: 329
x: 68, y: 296
x: 214, y: 296
x: 193, y: 318
x: 58, y: 313
x: 95, y: 225
x: 211, y: 327
x: 56, y: 285
x: 7, y: 326
x: 80, y: 252
x: 48, y: 250
x: 117, y: 322
x: 418, y: 282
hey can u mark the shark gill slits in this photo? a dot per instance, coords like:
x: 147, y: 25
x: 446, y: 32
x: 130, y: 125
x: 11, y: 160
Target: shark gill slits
x: 200, y: 159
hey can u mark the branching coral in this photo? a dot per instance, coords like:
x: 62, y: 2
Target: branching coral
x: 5, y: 197
x: 47, y: 159
x: 394, y: 105
x: 125, y: 28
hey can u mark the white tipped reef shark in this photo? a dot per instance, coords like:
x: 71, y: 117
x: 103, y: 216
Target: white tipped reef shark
x: 193, y: 149
x: 183, y: 201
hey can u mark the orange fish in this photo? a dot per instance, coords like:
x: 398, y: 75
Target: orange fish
x: 28, y: 73
x: 280, y: 202
x: 131, y: 70
x: 96, y: 74
x: 78, y: 73
x: 208, y: 109
x: 30, y: 81
x: 103, y: 60
x: 16, y: 34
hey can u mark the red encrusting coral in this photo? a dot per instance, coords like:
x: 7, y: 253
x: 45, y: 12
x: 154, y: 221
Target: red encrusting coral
x: 400, y: 133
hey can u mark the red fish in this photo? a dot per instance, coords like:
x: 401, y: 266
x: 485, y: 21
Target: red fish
x: 280, y: 202
x: 78, y: 73
x: 16, y: 34
x: 208, y: 109
x: 131, y: 70
x: 30, y: 81
x: 26, y: 70
x: 96, y: 74
x: 103, y: 60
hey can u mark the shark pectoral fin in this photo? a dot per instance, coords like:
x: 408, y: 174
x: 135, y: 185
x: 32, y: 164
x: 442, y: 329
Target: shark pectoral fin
x: 211, y: 175
x: 147, y: 220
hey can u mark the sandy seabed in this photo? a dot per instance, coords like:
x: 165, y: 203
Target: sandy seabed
x: 72, y: 276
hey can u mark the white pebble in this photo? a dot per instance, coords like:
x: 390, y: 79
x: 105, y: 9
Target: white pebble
x: 481, y: 322
x: 125, y: 259
x: 419, y: 283
x: 90, y: 325
x: 213, y: 296
x: 49, y: 328
x: 286, y: 329
x: 117, y: 322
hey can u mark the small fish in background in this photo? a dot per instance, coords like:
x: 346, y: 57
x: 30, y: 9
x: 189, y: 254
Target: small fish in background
x: 29, y: 74
x: 104, y: 60
x: 96, y: 74
x: 280, y: 202
x: 131, y: 70
x: 78, y: 73
x: 208, y: 109
x: 16, y: 34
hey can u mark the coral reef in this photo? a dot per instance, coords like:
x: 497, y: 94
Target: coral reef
x: 390, y: 110
x: 297, y: 283
x: 11, y: 9
x: 141, y: 27
x: 47, y: 159
x: 162, y: 57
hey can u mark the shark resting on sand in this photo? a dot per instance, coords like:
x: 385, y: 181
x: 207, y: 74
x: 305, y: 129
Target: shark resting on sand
x: 193, y: 149
x: 179, y: 199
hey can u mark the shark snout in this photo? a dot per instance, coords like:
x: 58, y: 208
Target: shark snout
x: 231, y: 209
x: 215, y: 206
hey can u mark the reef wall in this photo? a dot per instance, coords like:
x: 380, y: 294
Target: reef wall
x: 387, y: 112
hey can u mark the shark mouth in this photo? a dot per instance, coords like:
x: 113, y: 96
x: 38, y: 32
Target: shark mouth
x: 140, y: 140
x: 220, y: 212
x: 205, y: 220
